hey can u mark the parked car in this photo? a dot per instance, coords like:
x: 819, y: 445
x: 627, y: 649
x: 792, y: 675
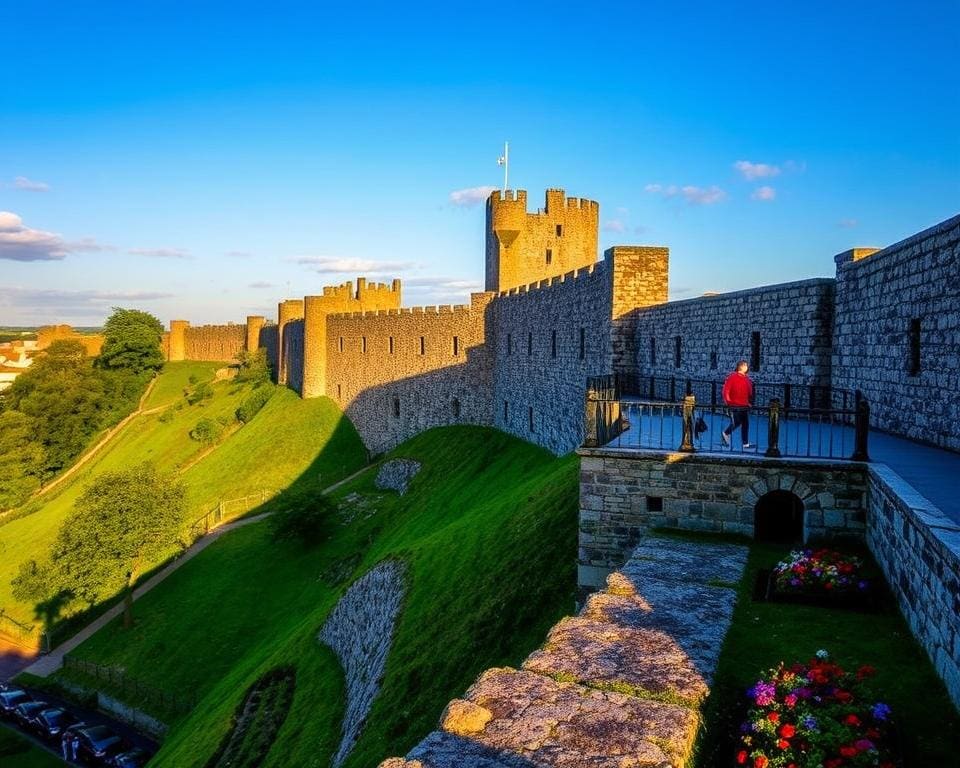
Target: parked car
x: 10, y: 698
x: 51, y: 721
x: 134, y: 758
x: 25, y: 711
x: 98, y: 742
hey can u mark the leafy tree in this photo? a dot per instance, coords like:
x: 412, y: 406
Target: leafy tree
x: 131, y: 341
x: 21, y: 459
x: 37, y: 583
x: 253, y: 402
x: 253, y: 367
x: 123, y: 523
x: 206, y: 431
x: 202, y: 391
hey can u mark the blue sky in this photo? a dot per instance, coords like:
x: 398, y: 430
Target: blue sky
x: 205, y: 160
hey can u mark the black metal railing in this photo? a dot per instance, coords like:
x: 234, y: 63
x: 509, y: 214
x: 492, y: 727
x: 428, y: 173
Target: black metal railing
x: 688, y: 426
x: 132, y: 690
x: 618, y: 386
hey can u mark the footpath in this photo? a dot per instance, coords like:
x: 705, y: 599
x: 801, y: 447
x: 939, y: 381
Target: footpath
x: 620, y: 684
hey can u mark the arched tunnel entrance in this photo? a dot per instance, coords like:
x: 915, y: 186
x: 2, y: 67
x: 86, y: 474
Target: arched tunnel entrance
x: 778, y: 517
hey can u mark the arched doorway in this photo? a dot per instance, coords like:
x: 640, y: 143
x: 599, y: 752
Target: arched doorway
x: 778, y: 517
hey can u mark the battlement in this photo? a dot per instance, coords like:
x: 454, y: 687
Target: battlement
x: 584, y: 273
x: 525, y: 247
x: 441, y: 309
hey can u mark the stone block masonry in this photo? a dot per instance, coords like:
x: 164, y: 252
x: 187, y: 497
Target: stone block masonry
x: 218, y: 343
x: 623, y: 494
x: 918, y: 549
x: 619, y: 685
x: 897, y: 333
x: 784, y: 331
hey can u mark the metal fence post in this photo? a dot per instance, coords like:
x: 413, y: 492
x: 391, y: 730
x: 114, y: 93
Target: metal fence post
x: 689, y: 406
x: 590, y: 421
x: 773, y: 430
x: 862, y: 429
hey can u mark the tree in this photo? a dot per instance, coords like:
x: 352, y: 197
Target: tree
x: 123, y: 523
x: 21, y: 459
x: 131, y: 341
x: 305, y: 519
x: 253, y: 366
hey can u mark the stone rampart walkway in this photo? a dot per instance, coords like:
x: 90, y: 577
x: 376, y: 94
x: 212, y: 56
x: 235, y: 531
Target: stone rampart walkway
x: 618, y: 686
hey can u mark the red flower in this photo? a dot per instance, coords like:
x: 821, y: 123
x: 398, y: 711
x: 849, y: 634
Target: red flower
x: 865, y: 671
x: 783, y: 744
x: 787, y: 730
x: 848, y: 751
x: 741, y: 757
x: 843, y: 696
x: 773, y: 717
x: 851, y: 719
x: 760, y: 762
x: 833, y: 762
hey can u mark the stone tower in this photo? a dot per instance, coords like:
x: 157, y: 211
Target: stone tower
x: 288, y: 311
x: 526, y: 247
x: 255, y: 324
x: 177, y: 340
x: 368, y: 297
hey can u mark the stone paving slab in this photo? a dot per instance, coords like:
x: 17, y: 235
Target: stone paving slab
x: 674, y: 560
x: 645, y: 662
x: 446, y: 750
x: 566, y: 725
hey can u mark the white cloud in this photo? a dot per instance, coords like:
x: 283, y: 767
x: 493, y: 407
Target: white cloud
x: 615, y: 225
x: 21, y: 243
x: 160, y: 253
x: 847, y: 223
x: 752, y: 171
x: 795, y: 166
x: 465, y: 198
x: 335, y: 265
x: 694, y: 195
x: 45, y: 305
x: 764, y: 193
x: 261, y: 284
x: 22, y: 182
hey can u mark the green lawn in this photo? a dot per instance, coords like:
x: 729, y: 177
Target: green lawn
x: 763, y: 633
x: 488, y: 530
x: 17, y: 752
x: 288, y: 439
x: 175, y: 376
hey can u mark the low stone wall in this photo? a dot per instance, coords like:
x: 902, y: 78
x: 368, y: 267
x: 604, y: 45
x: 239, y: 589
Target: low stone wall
x: 396, y: 474
x: 621, y: 684
x: 918, y: 549
x: 360, y: 632
x: 625, y: 493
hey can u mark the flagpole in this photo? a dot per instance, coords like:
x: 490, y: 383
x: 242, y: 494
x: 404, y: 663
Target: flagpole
x: 506, y: 166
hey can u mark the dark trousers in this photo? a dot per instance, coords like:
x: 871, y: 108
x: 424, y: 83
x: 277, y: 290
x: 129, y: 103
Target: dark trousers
x: 739, y: 417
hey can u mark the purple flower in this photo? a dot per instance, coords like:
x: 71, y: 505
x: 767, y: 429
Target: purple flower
x: 763, y: 693
x: 881, y: 711
x: 862, y: 585
x: 810, y: 723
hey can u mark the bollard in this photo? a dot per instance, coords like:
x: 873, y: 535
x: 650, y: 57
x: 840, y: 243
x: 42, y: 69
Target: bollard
x: 773, y: 430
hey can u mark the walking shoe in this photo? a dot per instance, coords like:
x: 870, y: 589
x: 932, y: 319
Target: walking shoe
x: 748, y: 446
x: 726, y: 439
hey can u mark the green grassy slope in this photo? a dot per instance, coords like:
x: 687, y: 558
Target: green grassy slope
x: 17, y: 752
x: 488, y: 530
x: 280, y: 443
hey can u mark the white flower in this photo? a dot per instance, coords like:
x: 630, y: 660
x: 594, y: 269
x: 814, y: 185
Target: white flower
x: 822, y: 654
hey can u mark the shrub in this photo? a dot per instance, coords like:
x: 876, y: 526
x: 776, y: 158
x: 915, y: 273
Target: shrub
x: 304, y: 519
x: 206, y: 431
x: 203, y: 391
x: 253, y: 402
x: 253, y: 367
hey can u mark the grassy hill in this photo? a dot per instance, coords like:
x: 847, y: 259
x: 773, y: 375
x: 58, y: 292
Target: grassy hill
x: 488, y: 531
x: 288, y: 440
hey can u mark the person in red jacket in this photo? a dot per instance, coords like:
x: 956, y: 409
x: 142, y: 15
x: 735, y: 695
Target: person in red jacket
x: 738, y: 395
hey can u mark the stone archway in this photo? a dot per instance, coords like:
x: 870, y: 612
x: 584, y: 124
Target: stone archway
x: 780, y: 505
x: 778, y: 517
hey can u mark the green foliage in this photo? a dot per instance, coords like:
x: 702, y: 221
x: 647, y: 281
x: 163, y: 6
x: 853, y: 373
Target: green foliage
x: 304, y: 519
x: 207, y: 431
x: 68, y: 401
x: 17, y: 751
x: 254, y: 367
x: 199, y: 393
x: 131, y: 341
x: 21, y: 459
x: 120, y: 525
x: 252, y: 404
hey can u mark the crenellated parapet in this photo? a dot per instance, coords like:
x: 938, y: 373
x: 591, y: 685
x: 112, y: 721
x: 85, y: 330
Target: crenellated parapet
x: 527, y: 247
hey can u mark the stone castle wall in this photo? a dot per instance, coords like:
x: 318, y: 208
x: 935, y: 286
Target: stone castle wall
x: 92, y: 342
x: 793, y: 320
x: 292, y: 354
x: 214, y: 342
x: 911, y: 289
x: 397, y: 372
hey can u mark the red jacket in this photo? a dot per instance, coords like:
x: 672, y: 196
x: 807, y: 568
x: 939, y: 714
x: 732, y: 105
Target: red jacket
x: 738, y: 390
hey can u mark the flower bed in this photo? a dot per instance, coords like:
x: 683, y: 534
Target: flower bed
x: 815, y: 715
x: 821, y: 577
